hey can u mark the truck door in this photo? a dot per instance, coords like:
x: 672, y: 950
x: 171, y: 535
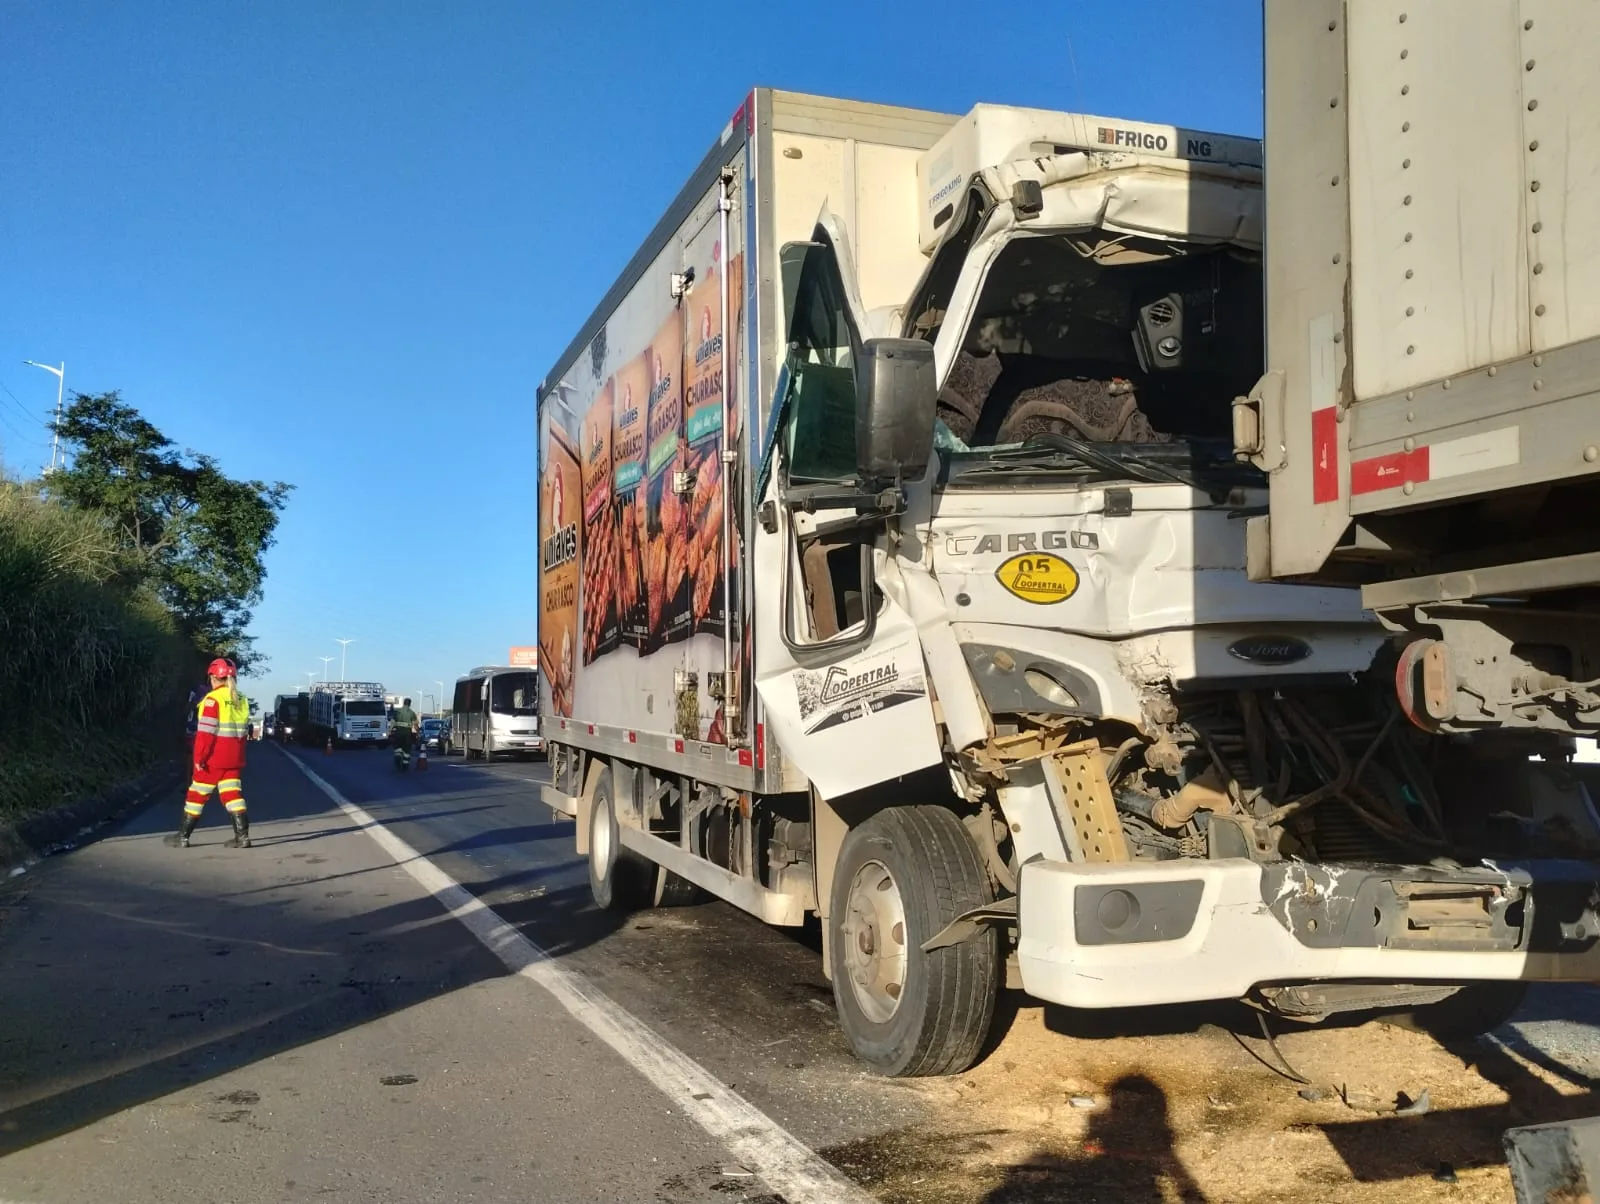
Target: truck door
x: 838, y: 663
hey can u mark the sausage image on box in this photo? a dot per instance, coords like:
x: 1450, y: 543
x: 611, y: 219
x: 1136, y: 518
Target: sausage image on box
x: 600, y: 626
x: 560, y: 513
x: 707, y: 411
x: 666, y: 548
x: 632, y: 395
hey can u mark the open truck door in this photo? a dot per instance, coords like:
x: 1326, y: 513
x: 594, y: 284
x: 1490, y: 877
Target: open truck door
x: 845, y: 688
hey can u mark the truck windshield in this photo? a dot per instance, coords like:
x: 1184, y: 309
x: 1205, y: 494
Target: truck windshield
x: 356, y: 706
x: 515, y: 694
x: 1102, y: 359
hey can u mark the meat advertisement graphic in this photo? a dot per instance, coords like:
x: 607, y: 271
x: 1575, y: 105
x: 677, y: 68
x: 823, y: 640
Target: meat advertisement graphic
x: 666, y: 549
x: 637, y: 413
x: 600, y: 626
x: 560, y: 511
x: 632, y: 394
x: 707, y: 412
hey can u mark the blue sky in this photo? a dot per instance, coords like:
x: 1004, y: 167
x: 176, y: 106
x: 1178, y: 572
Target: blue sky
x: 338, y: 244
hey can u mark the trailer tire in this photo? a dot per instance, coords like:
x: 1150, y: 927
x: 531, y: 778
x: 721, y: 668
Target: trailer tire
x: 619, y: 879
x: 908, y: 872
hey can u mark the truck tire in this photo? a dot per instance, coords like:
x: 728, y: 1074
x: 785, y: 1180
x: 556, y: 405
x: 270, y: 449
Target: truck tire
x: 673, y: 891
x: 902, y: 876
x: 1474, y: 1010
x: 619, y: 880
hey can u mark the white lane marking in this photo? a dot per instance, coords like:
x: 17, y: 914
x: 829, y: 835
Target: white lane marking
x: 784, y: 1163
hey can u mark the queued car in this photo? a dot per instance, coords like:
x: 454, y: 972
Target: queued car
x: 436, y: 735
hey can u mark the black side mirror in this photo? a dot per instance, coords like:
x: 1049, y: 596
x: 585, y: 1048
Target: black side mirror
x: 896, y: 405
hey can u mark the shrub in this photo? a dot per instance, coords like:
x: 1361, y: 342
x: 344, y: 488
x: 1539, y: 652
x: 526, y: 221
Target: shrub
x: 93, y: 667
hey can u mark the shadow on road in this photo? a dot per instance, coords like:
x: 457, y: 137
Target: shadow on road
x: 1129, y: 1156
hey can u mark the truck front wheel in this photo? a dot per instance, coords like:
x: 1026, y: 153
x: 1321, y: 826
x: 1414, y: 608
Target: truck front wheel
x: 902, y: 876
x: 619, y: 880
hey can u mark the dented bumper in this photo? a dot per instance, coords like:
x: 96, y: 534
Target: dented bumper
x: 1133, y: 934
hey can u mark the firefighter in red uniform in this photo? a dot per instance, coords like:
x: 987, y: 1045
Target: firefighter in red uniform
x: 221, y: 731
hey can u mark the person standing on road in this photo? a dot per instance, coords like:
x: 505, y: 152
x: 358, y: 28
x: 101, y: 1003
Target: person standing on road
x: 222, y: 728
x: 406, y: 725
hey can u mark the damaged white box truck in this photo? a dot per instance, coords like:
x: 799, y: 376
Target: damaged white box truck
x: 893, y: 569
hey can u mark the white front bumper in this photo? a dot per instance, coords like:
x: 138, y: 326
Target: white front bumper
x: 1234, y: 943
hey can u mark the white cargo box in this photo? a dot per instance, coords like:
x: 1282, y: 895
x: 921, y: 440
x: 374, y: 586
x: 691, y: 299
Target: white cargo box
x: 994, y: 134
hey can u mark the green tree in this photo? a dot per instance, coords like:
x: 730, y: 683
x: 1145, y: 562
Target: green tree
x: 197, y: 535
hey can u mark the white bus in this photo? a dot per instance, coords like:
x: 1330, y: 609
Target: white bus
x: 496, y: 710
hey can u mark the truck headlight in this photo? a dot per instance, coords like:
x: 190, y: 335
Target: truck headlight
x: 1050, y: 689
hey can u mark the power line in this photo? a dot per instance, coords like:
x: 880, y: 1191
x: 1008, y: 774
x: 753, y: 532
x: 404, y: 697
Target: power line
x: 22, y: 408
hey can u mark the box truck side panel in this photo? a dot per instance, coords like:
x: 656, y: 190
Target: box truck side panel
x: 632, y: 422
x: 1563, y: 123
x: 1433, y: 284
x: 1438, y: 239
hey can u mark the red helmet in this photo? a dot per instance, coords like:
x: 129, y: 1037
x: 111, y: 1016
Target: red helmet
x: 221, y: 667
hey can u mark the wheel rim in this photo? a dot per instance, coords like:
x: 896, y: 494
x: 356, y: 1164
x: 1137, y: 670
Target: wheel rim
x: 874, y: 937
x: 600, y: 837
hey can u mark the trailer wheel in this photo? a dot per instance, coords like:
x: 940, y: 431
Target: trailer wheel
x: 902, y: 876
x: 619, y: 880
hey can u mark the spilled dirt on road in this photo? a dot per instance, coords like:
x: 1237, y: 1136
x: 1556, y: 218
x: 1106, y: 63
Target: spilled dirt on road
x: 1179, y: 1110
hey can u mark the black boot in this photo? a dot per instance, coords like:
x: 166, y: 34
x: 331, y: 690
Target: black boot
x: 180, y: 838
x: 241, y: 830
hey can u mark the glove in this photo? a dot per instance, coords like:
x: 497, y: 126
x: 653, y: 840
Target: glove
x: 202, y: 766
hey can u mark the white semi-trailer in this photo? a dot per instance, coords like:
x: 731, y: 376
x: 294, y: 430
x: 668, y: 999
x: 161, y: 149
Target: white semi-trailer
x: 893, y: 569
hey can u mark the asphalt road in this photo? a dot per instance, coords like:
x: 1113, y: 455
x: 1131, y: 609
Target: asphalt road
x: 306, y: 1021
x: 303, y: 1020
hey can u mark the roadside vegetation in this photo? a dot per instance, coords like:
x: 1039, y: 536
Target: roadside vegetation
x: 120, y: 576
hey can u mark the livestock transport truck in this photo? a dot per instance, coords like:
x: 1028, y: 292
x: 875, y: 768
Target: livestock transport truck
x: 893, y: 569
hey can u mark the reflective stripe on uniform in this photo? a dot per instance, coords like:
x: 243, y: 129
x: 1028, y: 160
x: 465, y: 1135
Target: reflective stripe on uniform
x: 231, y: 792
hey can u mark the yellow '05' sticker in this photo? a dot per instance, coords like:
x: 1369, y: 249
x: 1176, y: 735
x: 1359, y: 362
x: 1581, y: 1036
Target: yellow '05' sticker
x: 1038, y: 577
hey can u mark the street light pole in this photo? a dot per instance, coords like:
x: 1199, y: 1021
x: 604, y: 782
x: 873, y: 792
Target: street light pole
x: 344, y: 647
x: 440, y: 684
x: 61, y: 385
x: 325, y: 661
x: 311, y: 678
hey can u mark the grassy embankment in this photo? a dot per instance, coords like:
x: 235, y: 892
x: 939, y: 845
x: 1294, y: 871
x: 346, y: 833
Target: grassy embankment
x: 92, y: 667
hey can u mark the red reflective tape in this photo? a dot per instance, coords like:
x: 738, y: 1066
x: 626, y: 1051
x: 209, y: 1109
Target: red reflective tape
x: 677, y: 746
x: 633, y: 737
x: 591, y: 729
x: 1325, y: 455
x: 761, y: 746
x: 746, y: 758
x: 1389, y: 472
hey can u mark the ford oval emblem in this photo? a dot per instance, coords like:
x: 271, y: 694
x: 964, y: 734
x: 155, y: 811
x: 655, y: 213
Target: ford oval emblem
x: 1270, y: 649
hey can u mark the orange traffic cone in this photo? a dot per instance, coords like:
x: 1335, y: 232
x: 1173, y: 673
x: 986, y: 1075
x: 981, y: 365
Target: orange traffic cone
x: 422, y: 759
x: 327, y: 749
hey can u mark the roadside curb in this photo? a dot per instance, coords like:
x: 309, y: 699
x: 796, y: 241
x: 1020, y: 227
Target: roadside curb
x: 62, y: 828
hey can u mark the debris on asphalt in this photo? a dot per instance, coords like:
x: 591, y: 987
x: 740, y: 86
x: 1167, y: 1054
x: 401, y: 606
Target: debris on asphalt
x: 398, y: 1080
x: 1445, y: 1174
x: 1082, y: 1101
x: 1406, y: 1106
x: 1314, y: 1095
